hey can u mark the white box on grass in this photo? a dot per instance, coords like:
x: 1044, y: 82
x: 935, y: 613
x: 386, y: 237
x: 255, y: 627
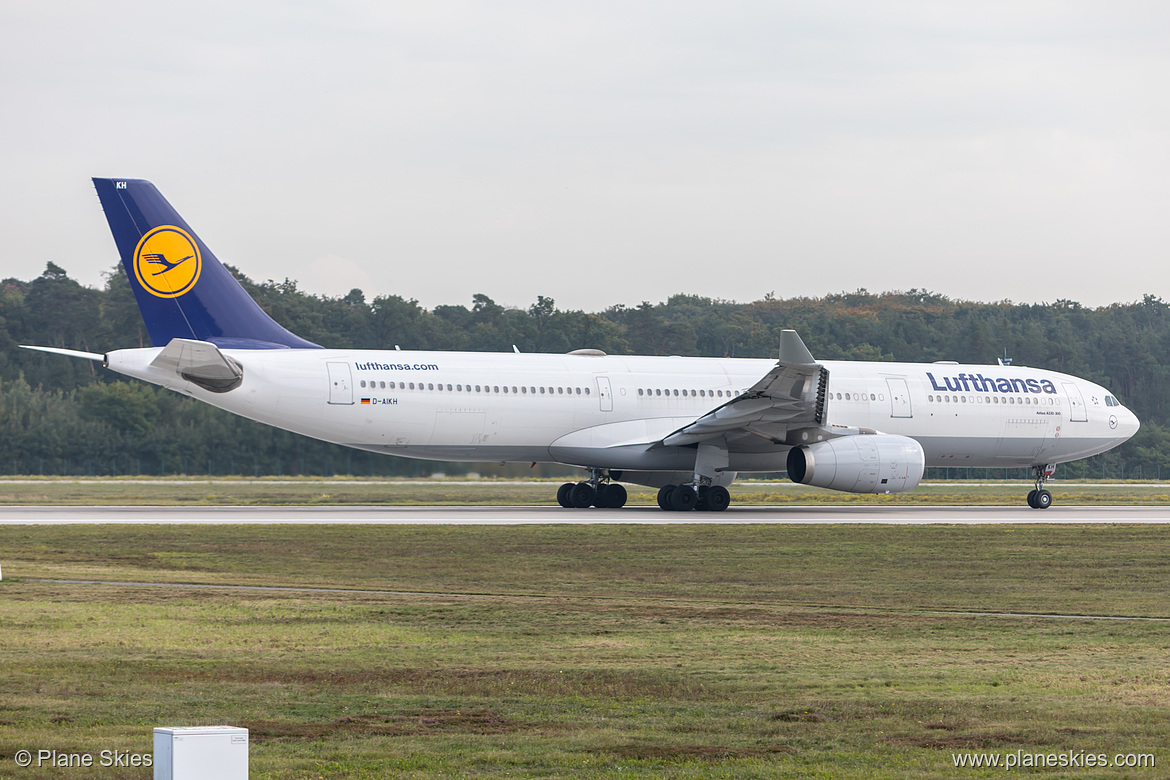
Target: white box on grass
x: 201, y: 753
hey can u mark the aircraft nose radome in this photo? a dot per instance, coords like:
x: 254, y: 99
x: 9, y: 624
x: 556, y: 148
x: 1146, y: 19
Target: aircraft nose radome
x: 1127, y: 425
x: 1131, y: 424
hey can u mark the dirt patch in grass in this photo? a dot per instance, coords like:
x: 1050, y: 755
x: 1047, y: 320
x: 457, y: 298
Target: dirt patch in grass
x: 461, y: 682
x: 800, y: 717
x: 686, y: 752
x: 943, y: 726
x: 968, y: 742
x: 411, y: 723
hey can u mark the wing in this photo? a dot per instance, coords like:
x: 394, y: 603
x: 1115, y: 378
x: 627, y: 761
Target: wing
x: 789, y: 398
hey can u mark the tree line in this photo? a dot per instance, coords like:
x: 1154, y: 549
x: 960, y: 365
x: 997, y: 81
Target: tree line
x: 65, y: 416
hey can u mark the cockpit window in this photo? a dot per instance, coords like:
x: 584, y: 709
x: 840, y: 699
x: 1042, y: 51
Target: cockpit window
x: 1111, y: 401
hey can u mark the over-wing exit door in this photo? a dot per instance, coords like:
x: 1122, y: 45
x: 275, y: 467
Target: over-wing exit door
x: 605, y: 394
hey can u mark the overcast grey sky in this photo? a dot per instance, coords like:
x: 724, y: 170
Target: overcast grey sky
x: 605, y: 152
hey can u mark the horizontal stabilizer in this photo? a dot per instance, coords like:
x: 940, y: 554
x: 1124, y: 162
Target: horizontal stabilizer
x: 201, y: 363
x: 69, y: 352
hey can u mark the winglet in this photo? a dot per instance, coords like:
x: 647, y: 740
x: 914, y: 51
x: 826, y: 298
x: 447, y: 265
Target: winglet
x: 793, y: 352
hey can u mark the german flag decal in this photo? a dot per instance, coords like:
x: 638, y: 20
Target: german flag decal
x: 366, y: 401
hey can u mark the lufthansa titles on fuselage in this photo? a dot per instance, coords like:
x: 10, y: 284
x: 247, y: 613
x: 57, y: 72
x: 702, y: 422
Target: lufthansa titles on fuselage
x: 371, y: 366
x: 967, y: 383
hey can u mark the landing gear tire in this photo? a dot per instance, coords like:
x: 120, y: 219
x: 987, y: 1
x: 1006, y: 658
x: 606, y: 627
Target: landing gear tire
x: 611, y: 496
x: 664, y: 498
x: 582, y: 495
x: 683, y: 498
x: 563, y: 494
x: 1039, y: 499
x: 717, y: 498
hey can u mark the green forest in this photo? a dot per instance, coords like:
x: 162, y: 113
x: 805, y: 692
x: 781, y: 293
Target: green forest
x: 63, y: 416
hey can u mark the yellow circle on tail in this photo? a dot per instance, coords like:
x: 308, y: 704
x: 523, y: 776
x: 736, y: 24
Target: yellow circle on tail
x: 167, y: 262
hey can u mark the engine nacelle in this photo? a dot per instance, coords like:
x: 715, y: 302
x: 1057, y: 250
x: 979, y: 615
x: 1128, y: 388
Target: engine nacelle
x: 877, y: 463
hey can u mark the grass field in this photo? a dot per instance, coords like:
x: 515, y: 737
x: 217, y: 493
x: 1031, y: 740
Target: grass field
x: 595, y: 652
x: 315, y: 492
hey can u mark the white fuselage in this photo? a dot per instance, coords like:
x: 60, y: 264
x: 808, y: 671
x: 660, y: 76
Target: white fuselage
x: 608, y: 411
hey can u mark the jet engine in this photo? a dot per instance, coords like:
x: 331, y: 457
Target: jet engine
x: 875, y: 463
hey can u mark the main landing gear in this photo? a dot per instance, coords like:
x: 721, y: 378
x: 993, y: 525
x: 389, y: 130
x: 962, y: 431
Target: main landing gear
x: 598, y: 491
x: 1041, y: 498
x: 683, y: 498
x: 704, y: 492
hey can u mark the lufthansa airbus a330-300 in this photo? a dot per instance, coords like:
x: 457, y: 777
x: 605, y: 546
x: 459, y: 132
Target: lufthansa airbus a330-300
x: 682, y: 424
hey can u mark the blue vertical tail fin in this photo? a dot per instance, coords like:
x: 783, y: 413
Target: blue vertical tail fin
x: 182, y: 290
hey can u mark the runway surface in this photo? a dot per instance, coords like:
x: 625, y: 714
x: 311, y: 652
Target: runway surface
x: 527, y: 515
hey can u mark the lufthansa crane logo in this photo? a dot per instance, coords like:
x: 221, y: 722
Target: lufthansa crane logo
x: 167, y: 262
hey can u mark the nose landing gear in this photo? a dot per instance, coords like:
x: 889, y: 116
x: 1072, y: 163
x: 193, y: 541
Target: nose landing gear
x: 1041, y: 498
